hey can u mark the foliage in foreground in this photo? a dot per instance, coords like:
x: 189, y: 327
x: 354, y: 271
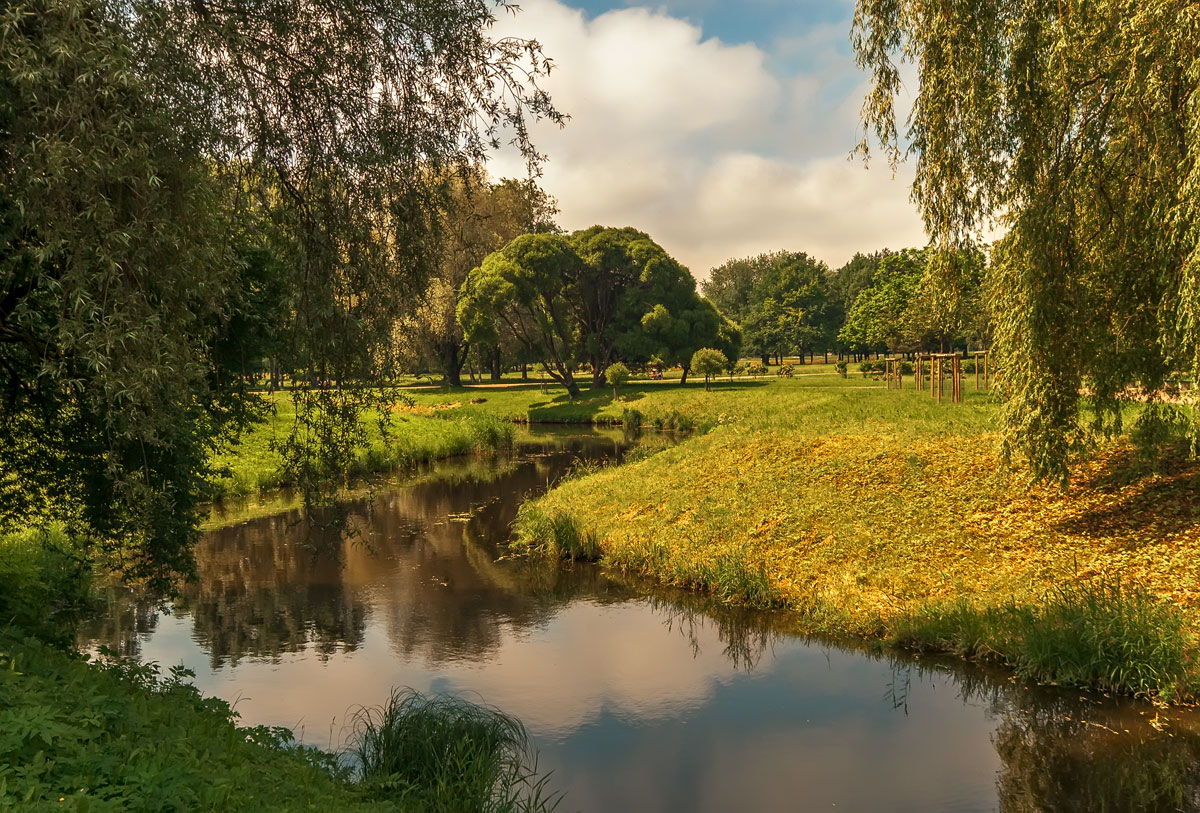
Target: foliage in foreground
x: 443, y: 753
x: 183, y: 194
x: 117, y: 735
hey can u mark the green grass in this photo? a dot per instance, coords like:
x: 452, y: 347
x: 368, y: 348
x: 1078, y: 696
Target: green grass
x: 1100, y: 635
x: 861, y: 509
x: 443, y: 754
x: 253, y: 465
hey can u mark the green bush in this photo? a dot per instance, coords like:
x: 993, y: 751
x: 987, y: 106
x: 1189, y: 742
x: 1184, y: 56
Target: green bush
x: 443, y: 753
x: 45, y: 583
x: 616, y: 375
x: 841, y: 367
x: 786, y: 370
x: 75, y: 736
x: 708, y: 363
x: 757, y: 369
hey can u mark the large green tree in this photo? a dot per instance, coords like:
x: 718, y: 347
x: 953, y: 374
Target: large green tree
x: 176, y: 175
x: 781, y: 299
x: 480, y: 217
x: 1074, y: 125
x: 524, y: 290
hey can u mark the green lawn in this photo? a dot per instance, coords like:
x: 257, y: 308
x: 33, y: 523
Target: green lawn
x: 882, y: 513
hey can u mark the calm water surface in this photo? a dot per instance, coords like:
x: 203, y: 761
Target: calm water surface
x: 637, y: 701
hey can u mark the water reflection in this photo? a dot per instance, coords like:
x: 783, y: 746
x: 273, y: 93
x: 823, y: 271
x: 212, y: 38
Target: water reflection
x: 639, y: 700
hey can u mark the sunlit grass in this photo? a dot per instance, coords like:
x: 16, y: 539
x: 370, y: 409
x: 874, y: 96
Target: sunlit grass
x: 861, y: 508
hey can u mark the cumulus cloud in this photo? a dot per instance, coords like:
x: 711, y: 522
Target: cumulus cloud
x: 711, y: 147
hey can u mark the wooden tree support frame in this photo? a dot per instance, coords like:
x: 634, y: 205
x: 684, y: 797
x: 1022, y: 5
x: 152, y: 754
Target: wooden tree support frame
x: 938, y: 374
x: 985, y: 354
x: 893, y: 374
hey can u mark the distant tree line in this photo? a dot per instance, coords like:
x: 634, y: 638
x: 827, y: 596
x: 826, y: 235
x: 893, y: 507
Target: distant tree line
x: 788, y: 303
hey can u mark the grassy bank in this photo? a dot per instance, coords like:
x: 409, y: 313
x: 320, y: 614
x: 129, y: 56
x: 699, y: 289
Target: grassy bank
x: 882, y: 514
x: 253, y: 465
x: 116, y: 735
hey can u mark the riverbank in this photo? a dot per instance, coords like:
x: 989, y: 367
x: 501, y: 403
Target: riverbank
x: 104, y: 733
x: 882, y: 514
x: 254, y: 465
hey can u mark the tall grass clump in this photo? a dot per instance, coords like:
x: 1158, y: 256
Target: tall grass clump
x: 552, y: 534
x: 631, y: 418
x: 490, y: 434
x: 1100, y: 635
x: 445, y: 754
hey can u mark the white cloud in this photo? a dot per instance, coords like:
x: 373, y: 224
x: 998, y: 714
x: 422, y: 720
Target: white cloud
x: 700, y: 144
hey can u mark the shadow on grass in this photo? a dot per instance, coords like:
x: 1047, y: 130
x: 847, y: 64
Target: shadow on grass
x: 1159, y: 496
x: 588, y: 406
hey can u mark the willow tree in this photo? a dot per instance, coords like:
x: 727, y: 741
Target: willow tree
x: 160, y: 159
x: 1075, y: 127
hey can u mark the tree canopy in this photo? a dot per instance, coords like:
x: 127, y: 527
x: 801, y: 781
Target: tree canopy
x: 1072, y: 125
x: 524, y: 288
x: 781, y: 300
x: 619, y: 297
x: 186, y: 183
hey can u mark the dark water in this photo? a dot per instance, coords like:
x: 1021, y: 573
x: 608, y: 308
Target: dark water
x: 638, y: 701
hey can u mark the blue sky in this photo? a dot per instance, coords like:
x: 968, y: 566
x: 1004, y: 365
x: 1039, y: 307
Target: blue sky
x: 723, y: 129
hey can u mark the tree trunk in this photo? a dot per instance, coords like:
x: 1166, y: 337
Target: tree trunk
x: 524, y: 371
x: 766, y: 359
x: 683, y: 378
x: 496, y: 371
x: 599, y: 365
x: 452, y: 362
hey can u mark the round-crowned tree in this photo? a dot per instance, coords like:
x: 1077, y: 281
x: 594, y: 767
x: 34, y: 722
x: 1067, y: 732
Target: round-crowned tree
x: 616, y: 375
x: 708, y: 363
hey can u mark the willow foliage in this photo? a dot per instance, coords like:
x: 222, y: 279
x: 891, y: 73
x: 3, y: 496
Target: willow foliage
x: 1075, y: 126
x: 187, y: 186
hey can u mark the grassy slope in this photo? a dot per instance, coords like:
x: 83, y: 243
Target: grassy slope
x: 882, y: 513
x: 253, y: 465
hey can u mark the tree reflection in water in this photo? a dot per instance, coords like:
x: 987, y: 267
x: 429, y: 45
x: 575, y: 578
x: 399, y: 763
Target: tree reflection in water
x: 424, y: 565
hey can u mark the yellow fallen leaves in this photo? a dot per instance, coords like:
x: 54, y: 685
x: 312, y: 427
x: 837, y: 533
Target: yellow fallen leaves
x: 856, y: 529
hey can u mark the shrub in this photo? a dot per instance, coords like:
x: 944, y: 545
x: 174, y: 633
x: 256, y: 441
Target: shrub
x: 841, y: 368
x: 708, y: 363
x: 756, y: 369
x: 786, y: 371
x: 616, y: 375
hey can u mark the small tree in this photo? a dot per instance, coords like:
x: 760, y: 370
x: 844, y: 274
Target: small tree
x: 708, y: 362
x: 616, y: 375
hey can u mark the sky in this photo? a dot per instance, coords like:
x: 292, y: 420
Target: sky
x: 722, y: 129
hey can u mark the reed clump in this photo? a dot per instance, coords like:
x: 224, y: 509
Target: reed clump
x: 444, y: 754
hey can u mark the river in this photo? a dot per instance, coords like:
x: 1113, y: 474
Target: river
x: 637, y: 699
